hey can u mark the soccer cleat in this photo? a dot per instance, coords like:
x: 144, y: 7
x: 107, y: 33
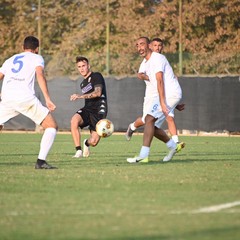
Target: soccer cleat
x: 45, y: 165
x: 129, y: 133
x: 172, y: 152
x: 86, y: 151
x: 78, y: 154
x: 137, y: 160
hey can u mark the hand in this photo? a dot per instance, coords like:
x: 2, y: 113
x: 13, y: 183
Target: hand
x: 165, y: 109
x: 74, y: 97
x: 50, y: 105
x: 143, y: 76
x: 180, y: 107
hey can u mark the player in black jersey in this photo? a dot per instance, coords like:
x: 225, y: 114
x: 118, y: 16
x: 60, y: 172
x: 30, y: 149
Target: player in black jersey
x: 94, y: 92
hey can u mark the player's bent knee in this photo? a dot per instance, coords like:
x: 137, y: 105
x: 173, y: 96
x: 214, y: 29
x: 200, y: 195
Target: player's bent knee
x: 93, y: 141
x: 169, y: 119
x: 49, y: 122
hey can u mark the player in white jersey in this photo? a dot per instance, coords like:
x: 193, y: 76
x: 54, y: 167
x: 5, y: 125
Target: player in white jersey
x: 156, y: 45
x: 18, y: 96
x: 162, y: 95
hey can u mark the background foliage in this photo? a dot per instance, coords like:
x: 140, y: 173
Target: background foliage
x: 78, y: 27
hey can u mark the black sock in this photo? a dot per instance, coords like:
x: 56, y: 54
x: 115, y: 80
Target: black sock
x: 86, y: 143
x: 78, y: 148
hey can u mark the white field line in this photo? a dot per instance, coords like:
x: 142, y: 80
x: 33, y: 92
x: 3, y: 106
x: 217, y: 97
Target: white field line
x: 211, y: 209
x: 217, y: 208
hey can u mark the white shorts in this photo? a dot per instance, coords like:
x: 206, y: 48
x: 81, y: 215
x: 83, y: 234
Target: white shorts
x: 171, y: 113
x: 152, y: 107
x: 32, y: 109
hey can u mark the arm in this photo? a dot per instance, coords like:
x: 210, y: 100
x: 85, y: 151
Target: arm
x: 180, y: 107
x: 43, y: 86
x: 143, y: 76
x: 96, y: 93
x: 161, y: 91
x: 1, y: 76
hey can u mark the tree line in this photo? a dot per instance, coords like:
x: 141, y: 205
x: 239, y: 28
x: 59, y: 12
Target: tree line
x: 68, y: 28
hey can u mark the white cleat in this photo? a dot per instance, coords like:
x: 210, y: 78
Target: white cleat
x: 129, y: 133
x: 78, y: 154
x: 137, y: 160
x: 86, y: 150
x: 172, y: 152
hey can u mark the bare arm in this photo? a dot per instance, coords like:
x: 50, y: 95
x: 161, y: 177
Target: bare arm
x: 161, y: 91
x: 143, y: 76
x: 96, y: 93
x: 1, y: 76
x: 43, y: 86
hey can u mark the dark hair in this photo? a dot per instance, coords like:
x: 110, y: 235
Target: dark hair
x: 30, y: 42
x: 157, y: 40
x: 146, y: 38
x: 81, y: 59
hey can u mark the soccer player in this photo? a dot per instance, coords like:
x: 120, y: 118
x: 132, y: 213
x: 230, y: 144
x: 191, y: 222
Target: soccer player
x: 94, y: 92
x: 18, y: 96
x: 162, y: 95
x: 156, y: 45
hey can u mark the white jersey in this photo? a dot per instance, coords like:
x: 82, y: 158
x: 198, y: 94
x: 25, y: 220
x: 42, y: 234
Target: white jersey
x: 19, y: 76
x: 158, y: 63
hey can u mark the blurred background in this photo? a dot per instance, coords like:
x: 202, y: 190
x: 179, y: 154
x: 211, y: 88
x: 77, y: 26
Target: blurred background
x: 201, y: 41
x: 200, y: 36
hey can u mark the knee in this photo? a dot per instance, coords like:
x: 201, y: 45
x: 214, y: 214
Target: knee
x: 74, y: 122
x: 169, y: 119
x: 49, y: 122
x: 93, y: 142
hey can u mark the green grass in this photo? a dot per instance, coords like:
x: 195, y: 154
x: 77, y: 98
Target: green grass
x: 104, y: 197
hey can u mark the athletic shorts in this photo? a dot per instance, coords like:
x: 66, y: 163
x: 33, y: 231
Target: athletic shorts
x: 90, y: 118
x: 32, y: 109
x: 152, y: 107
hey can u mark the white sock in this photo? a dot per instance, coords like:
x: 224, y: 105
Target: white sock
x: 144, y: 152
x: 175, y: 138
x: 132, y: 126
x: 46, y: 142
x: 171, y: 144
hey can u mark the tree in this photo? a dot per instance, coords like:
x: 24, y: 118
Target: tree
x: 78, y: 27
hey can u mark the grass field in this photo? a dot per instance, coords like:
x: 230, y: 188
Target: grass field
x: 195, y: 196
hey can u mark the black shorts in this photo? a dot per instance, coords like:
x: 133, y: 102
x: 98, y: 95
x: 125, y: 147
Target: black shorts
x: 90, y: 118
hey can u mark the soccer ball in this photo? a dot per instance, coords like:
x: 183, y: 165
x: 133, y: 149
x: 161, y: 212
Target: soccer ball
x: 104, y: 128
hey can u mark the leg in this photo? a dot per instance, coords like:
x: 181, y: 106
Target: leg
x: 149, y: 130
x: 92, y: 141
x: 138, y: 123
x: 147, y: 139
x: 161, y: 135
x: 132, y: 127
x: 50, y: 126
x: 172, y: 128
x: 75, y: 122
x: 76, y: 135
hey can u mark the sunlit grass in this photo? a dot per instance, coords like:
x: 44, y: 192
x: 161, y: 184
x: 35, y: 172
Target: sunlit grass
x: 104, y: 197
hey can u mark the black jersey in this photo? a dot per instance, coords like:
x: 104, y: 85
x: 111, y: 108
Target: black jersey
x: 88, y: 85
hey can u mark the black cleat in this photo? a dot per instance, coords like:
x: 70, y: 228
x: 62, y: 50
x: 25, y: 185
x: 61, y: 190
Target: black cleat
x: 44, y: 165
